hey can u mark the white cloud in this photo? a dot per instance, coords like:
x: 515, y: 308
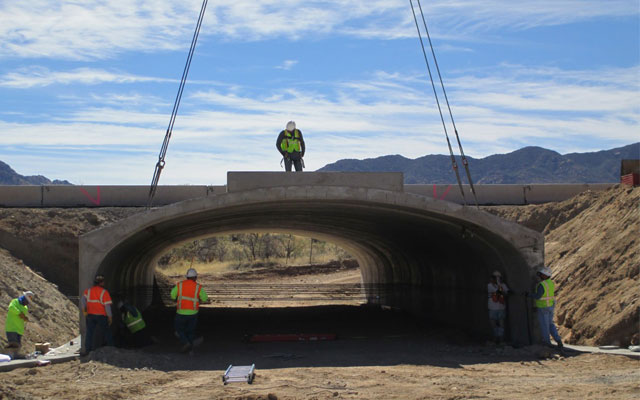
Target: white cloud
x: 381, y: 114
x: 67, y: 29
x: 35, y: 76
x: 287, y: 64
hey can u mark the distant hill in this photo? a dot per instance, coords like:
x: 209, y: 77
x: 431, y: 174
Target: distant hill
x: 10, y: 177
x: 527, y: 165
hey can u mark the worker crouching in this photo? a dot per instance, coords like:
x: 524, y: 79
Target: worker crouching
x: 188, y: 295
x: 135, y: 325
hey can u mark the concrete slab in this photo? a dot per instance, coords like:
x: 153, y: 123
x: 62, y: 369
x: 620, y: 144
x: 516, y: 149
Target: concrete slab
x: 67, y: 352
x: 20, y: 196
x: 544, y: 193
x: 121, y: 196
x: 239, y: 181
x: 592, y: 349
x: 506, y: 194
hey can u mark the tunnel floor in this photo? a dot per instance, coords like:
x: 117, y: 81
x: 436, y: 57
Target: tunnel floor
x: 366, y: 336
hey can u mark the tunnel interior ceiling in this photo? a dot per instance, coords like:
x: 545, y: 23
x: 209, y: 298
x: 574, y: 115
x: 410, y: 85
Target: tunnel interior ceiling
x: 397, y: 246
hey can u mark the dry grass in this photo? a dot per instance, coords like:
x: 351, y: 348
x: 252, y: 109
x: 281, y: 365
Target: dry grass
x: 219, y: 268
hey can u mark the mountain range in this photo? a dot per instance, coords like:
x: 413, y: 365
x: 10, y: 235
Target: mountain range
x: 10, y: 177
x: 527, y: 165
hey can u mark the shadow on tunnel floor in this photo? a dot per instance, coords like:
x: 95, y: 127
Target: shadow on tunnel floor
x: 366, y: 336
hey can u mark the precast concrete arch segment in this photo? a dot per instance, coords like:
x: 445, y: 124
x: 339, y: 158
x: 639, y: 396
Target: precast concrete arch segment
x: 429, y: 257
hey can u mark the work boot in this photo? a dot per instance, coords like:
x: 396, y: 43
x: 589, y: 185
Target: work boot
x: 560, y: 347
x: 198, y: 341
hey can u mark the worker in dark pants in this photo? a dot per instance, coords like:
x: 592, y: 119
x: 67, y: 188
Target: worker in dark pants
x: 96, y: 307
x: 290, y: 144
x: 188, y: 295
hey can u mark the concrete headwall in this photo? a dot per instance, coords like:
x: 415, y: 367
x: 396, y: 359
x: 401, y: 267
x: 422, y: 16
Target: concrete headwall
x: 136, y: 196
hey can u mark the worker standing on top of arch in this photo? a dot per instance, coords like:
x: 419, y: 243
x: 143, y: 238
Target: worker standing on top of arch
x: 188, y: 295
x: 290, y: 144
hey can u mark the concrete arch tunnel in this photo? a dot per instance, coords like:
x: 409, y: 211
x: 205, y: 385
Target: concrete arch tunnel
x: 429, y: 257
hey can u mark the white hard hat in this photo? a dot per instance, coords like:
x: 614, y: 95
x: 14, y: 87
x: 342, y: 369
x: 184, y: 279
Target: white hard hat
x: 291, y: 126
x: 28, y: 294
x: 545, y: 271
x: 191, y: 273
x: 497, y: 273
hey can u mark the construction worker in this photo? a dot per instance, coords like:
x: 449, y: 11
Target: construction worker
x: 290, y: 144
x: 96, y: 307
x: 132, y: 319
x: 544, y: 302
x: 188, y: 295
x: 17, y: 315
x: 497, y: 293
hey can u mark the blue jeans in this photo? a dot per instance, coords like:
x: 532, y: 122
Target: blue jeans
x: 497, y: 317
x: 545, y: 319
x: 185, y: 327
x: 101, y: 323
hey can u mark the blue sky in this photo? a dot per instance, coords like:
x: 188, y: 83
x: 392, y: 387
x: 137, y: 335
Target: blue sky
x: 87, y: 87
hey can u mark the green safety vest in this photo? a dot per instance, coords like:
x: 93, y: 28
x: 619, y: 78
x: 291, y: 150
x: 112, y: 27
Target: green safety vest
x: 134, y: 323
x: 14, y: 323
x: 547, y: 299
x: 291, y: 144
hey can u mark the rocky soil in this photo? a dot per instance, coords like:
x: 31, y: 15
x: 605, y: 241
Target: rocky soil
x: 47, y: 239
x: 53, y: 317
x: 592, y: 245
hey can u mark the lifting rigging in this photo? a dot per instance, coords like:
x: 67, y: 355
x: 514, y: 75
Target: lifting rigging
x: 435, y: 93
x: 176, y: 104
x: 163, y: 150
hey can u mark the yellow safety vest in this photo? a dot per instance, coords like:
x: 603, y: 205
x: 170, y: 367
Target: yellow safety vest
x: 134, y: 323
x: 548, y: 298
x: 291, y: 144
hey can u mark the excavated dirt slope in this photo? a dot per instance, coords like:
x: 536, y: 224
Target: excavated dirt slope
x: 53, y: 318
x: 592, y: 244
x: 47, y: 239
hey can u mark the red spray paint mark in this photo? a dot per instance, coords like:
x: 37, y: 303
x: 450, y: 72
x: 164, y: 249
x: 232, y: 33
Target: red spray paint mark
x: 95, y: 201
x: 435, y: 192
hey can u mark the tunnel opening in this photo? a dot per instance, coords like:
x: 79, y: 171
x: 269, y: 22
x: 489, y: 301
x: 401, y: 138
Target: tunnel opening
x: 418, y: 257
x: 245, y: 270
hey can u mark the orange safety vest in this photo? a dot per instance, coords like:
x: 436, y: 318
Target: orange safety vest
x: 97, y: 298
x: 188, y: 295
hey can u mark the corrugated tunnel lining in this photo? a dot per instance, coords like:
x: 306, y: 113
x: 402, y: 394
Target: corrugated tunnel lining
x: 430, y: 264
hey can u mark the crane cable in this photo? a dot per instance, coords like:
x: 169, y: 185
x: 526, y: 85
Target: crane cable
x: 463, y: 157
x: 165, y: 145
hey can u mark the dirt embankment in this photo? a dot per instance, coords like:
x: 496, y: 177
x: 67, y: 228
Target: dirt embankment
x: 53, y: 317
x: 47, y: 239
x: 592, y: 244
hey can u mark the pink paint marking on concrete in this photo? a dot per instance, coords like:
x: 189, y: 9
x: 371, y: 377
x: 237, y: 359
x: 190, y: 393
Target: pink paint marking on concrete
x: 435, y: 192
x: 95, y: 201
x: 445, y: 192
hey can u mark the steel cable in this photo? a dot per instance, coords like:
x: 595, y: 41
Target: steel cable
x: 455, y: 129
x: 435, y: 93
x: 165, y: 144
